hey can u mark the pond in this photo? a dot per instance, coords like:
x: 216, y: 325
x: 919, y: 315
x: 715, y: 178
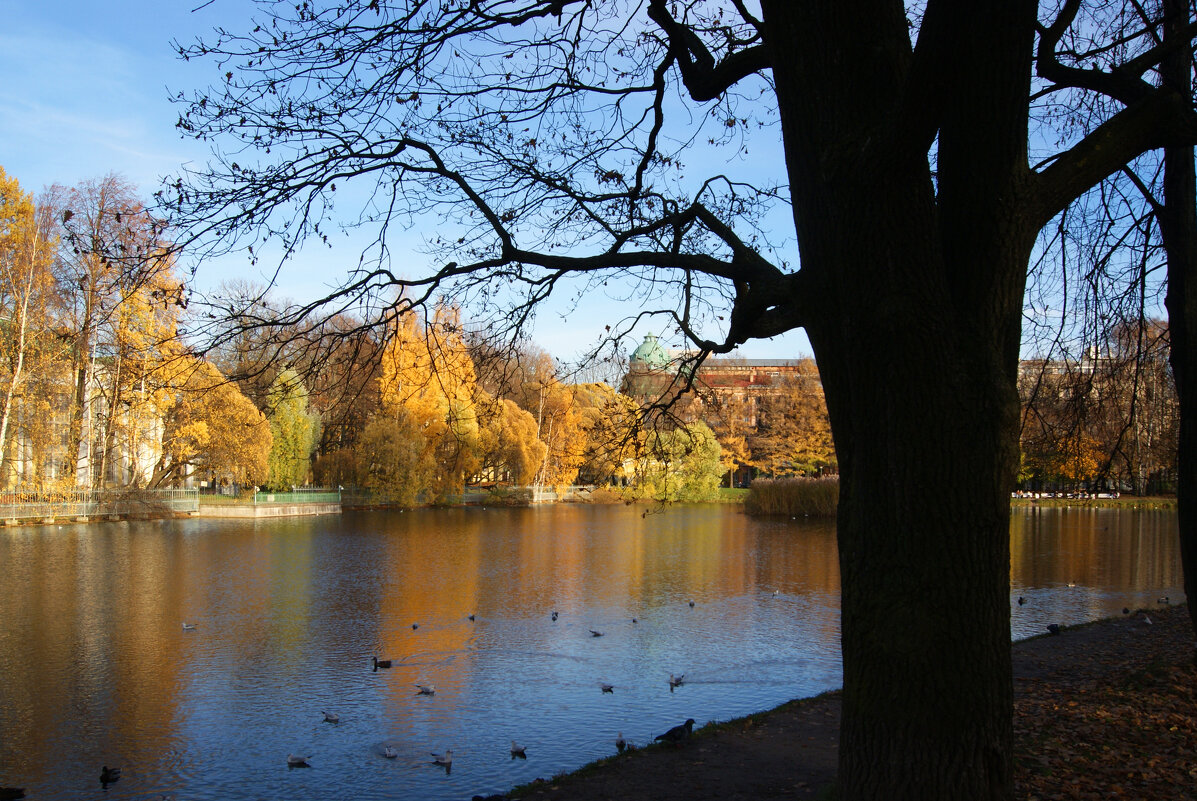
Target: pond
x: 288, y: 615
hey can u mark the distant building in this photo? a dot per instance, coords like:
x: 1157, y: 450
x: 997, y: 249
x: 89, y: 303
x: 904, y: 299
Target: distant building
x: 655, y: 373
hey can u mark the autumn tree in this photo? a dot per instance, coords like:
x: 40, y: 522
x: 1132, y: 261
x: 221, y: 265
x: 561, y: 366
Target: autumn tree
x: 678, y: 464
x: 111, y: 250
x: 26, y: 284
x: 510, y: 450
x: 294, y: 431
x: 428, y: 378
x: 550, y: 138
x: 793, y: 434
x: 211, y: 429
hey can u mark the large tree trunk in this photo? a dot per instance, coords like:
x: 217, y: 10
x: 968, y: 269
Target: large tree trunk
x: 916, y: 328
x: 1178, y: 224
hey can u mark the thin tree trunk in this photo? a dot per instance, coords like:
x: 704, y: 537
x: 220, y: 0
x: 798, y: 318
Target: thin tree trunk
x: 17, y: 375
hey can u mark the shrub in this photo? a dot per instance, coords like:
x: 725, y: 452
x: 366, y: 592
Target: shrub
x: 815, y: 497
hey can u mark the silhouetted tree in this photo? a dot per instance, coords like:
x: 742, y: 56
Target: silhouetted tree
x: 552, y: 139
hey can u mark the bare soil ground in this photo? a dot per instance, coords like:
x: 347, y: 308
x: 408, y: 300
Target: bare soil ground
x: 1102, y: 711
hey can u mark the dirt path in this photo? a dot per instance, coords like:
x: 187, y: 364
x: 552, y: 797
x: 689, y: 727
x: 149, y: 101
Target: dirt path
x: 1101, y: 711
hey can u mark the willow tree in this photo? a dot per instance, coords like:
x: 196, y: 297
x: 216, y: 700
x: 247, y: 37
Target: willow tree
x: 554, y: 139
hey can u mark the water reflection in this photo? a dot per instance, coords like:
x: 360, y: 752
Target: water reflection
x: 290, y: 615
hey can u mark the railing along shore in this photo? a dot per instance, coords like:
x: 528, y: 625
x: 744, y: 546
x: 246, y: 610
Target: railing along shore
x: 47, y: 505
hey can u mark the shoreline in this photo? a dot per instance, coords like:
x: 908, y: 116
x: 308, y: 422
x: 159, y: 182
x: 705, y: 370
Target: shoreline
x: 1109, y: 707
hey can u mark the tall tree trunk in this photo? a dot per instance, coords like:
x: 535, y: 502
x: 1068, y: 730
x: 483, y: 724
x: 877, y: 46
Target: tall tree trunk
x: 917, y: 289
x: 17, y: 372
x: 1178, y: 225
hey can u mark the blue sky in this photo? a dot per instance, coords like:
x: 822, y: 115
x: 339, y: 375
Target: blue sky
x: 86, y: 92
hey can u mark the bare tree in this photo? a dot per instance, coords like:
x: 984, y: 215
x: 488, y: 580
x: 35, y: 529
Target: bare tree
x: 551, y: 140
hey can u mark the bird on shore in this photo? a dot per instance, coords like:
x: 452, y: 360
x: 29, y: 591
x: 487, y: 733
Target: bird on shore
x: 331, y: 717
x: 677, y: 733
x: 1165, y: 600
x: 1054, y: 628
x: 518, y: 751
x: 189, y: 627
x: 425, y: 689
x: 296, y: 761
x: 389, y: 752
x: 676, y: 681
x: 594, y: 633
x: 620, y: 743
x: 381, y: 663
x: 109, y: 775
x: 607, y: 688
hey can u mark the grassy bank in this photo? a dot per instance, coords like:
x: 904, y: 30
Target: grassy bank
x: 1160, y: 502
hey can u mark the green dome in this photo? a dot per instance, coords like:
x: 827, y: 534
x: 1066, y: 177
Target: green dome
x: 650, y: 354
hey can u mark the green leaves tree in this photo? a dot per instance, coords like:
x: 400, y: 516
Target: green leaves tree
x: 294, y: 431
x: 554, y: 139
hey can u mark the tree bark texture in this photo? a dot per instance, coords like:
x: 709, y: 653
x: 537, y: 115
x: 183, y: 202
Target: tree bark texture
x: 919, y: 287
x: 1178, y: 225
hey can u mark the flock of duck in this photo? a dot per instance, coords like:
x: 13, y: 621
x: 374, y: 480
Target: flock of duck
x: 442, y: 759
x: 677, y: 734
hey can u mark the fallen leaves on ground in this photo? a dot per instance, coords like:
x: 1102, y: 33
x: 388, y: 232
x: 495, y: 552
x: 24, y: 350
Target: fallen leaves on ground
x: 1111, y: 726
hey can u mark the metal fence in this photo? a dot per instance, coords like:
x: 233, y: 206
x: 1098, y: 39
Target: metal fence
x: 57, y: 504
x: 300, y: 495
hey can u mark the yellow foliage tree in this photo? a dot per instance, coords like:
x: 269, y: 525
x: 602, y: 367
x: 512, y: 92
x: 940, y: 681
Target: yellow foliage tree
x: 26, y: 281
x: 428, y: 376
x: 212, y: 428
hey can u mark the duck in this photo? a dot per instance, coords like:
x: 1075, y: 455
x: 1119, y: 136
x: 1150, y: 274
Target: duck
x: 389, y: 752
x: 692, y: 604
x: 676, y: 681
x: 471, y: 618
x: 620, y: 743
x: 109, y: 775
x: 594, y: 633
x: 677, y: 733
x: 331, y: 717
x: 1126, y: 610
x: 444, y: 760
x: 1054, y: 628
x: 518, y: 751
x: 381, y: 663
x: 634, y: 620
x: 425, y: 689
x: 607, y: 688
x: 415, y: 626
x: 189, y: 627
x: 1021, y: 600
x: 554, y: 615
x: 296, y: 761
